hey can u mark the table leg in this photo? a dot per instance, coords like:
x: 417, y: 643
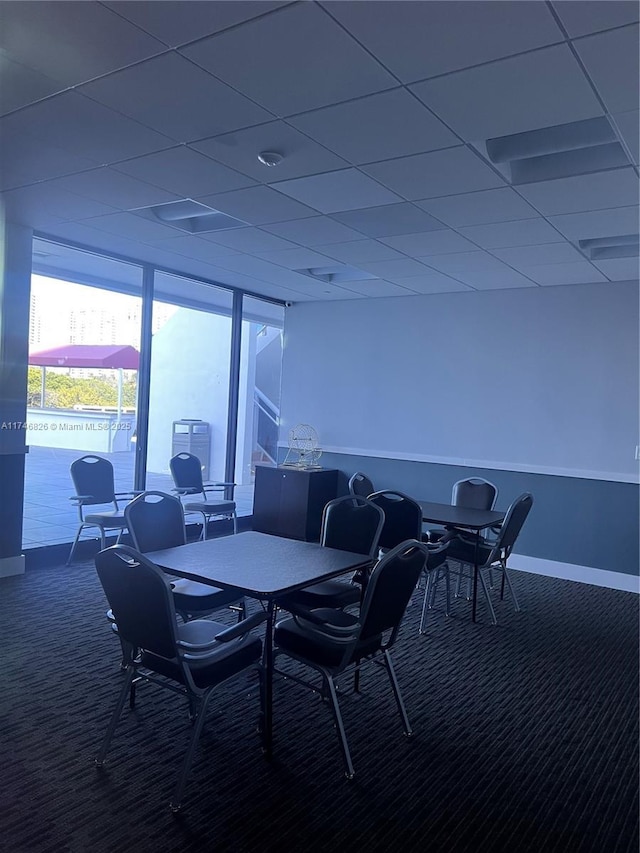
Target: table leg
x: 267, y: 732
x: 475, y: 578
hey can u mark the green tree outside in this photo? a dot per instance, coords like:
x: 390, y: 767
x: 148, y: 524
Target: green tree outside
x: 64, y: 392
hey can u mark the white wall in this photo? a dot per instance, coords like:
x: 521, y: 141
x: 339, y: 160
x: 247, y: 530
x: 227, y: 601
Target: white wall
x: 538, y: 379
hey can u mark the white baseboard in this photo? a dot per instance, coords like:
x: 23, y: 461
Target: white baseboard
x: 11, y: 566
x: 571, y: 572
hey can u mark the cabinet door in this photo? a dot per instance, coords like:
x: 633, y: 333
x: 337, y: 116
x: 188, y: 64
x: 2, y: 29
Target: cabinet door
x: 266, y: 500
x: 294, y: 499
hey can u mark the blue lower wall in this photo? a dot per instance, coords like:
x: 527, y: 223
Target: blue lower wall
x: 585, y: 522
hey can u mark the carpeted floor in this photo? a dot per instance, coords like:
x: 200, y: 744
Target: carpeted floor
x: 526, y: 737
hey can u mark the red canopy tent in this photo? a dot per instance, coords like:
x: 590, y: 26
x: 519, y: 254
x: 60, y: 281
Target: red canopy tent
x: 85, y: 355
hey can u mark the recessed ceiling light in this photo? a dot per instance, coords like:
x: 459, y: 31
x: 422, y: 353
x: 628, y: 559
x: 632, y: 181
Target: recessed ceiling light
x: 270, y: 158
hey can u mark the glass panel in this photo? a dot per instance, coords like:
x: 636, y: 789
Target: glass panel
x: 190, y: 362
x: 259, y: 399
x: 84, y: 341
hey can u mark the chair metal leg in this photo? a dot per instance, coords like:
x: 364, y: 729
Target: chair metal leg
x: 124, y: 692
x: 425, y: 604
x: 487, y: 596
x: 512, y: 591
x: 235, y: 523
x: 398, y: 696
x: 447, y: 583
x: 103, y: 538
x: 349, y: 771
x: 203, y: 535
x: 176, y: 799
x: 75, y: 542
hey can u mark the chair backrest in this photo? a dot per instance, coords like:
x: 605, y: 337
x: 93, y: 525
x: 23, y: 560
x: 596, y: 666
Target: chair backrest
x: 474, y: 493
x: 352, y: 523
x: 360, y: 484
x: 512, y: 525
x: 155, y: 520
x: 93, y: 476
x: 402, y: 517
x: 140, y: 598
x: 391, y: 584
x: 186, y: 470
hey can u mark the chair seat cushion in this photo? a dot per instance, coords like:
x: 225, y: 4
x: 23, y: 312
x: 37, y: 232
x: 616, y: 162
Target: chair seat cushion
x: 464, y: 551
x: 109, y: 518
x: 320, y: 649
x: 199, y: 597
x: 210, y: 506
x: 332, y: 594
x: 210, y: 667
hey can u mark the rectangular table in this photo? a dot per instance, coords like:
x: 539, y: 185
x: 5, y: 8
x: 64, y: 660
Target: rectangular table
x: 460, y: 517
x: 259, y: 566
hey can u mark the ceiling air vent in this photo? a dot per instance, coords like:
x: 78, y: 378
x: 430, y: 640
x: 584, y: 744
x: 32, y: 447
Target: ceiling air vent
x: 190, y: 216
x: 577, y: 148
x: 603, y: 248
x: 336, y: 274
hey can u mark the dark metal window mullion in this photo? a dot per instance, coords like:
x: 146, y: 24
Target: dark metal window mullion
x: 234, y: 388
x: 144, y: 379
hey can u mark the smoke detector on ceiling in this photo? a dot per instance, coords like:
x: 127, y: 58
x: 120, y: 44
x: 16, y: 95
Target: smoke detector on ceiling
x: 270, y: 158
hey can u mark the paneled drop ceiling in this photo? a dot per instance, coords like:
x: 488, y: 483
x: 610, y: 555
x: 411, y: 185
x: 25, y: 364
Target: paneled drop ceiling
x: 391, y: 118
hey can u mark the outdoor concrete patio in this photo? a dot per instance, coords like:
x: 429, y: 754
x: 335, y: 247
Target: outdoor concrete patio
x: 50, y: 518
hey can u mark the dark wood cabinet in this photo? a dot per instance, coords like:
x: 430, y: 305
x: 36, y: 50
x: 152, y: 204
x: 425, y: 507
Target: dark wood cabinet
x: 289, y: 501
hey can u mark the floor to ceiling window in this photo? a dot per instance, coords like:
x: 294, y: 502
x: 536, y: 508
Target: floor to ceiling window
x: 84, y: 344
x: 259, y: 393
x: 87, y: 392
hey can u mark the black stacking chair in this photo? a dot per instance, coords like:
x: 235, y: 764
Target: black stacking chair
x: 350, y: 523
x: 93, y: 481
x: 493, y: 556
x: 191, y: 659
x: 186, y: 471
x: 361, y: 485
x: 473, y: 493
x: 334, y: 641
x: 155, y: 521
x: 403, y: 520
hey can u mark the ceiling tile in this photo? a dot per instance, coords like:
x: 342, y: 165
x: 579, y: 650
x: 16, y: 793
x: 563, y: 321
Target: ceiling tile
x: 580, y: 272
x: 258, y: 205
x: 495, y: 280
x: 194, y: 247
x: 26, y: 160
x: 436, y: 37
x: 114, y: 188
x: 377, y: 288
x: 184, y: 172
x: 432, y: 243
x: 334, y: 191
x: 583, y: 18
x: 257, y: 59
x: 295, y: 259
x: 82, y: 127
x: 358, y: 251
x: 314, y: 231
x: 131, y: 226
x: 479, y: 208
x: 72, y: 42
x: 512, y: 95
x: 619, y: 269
x: 454, y: 170
x: 521, y: 232
x: 22, y: 85
x: 389, y: 220
x: 615, y: 188
x: 467, y: 262
x: 394, y: 269
x: 598, y: 223
x: 629, y: 126
x: 528, y: 256
x: 389, y: 124
x: 178, y: 21
x: 176, y: 97
x: 240, y: 149
x: 432, y: 282
x: 612, y: 62
x: 250, y: 240
x: 27, y: 204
